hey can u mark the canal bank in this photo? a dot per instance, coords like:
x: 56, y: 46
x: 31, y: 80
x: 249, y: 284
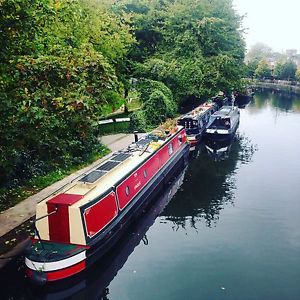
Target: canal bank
x: 291, y: 87
x: 16, y: 222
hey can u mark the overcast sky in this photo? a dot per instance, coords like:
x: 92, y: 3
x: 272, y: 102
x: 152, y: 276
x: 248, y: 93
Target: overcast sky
x: 275, y: 23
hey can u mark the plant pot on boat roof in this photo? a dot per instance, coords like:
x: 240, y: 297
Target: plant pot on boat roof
x: 169, y: 126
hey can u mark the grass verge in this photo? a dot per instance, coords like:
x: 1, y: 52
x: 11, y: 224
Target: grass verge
x: 12, y: 196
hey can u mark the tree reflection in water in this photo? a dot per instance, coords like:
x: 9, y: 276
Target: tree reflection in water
x: 283, y: 101
x: 208, y: 186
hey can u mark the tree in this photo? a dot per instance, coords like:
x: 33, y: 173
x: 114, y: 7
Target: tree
x: 158, y: 105
x: 258, y: 52
x: 64, y: 63
x: 263, y: 70
x: 251, y: 66
x: 194, y: 47
x: 298, y: 74
x: 59, y: 70
x: 285, y: 70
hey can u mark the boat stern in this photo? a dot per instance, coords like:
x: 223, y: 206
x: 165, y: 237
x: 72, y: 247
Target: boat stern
x: 47, y: 261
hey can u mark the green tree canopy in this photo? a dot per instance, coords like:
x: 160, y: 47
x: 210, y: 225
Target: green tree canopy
x: 158, y: 104
x: 298, y: 74
x: 59, y: 67
x: 263, y: 70
x: 285, y: 70
x: 64, y: 63
x: 194, y: 47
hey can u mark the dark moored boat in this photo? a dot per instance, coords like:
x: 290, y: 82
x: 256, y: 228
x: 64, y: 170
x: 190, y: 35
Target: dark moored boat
x: 223, y: 124
x: 81, y: 222
x: 195, y: 122
x: 244, y: 95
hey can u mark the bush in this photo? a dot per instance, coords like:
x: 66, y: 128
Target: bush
x: 156, y: 108
x: 115, y: 127
x: 138, y: 121
x: 147, y: 86
x: 158, y: 105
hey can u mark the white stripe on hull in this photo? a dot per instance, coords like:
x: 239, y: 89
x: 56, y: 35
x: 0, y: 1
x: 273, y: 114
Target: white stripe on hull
x: 218, y: 131
x: 55, y: 265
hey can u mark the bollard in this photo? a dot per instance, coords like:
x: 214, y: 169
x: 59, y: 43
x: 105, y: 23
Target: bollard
x: 136, y: 138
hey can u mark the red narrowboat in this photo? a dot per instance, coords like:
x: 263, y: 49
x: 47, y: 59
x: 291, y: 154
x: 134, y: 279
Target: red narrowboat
x: 82, y: 221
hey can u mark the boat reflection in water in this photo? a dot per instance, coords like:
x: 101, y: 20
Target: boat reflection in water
x: 218, y: 150
x: 93, y: 285
x: 209, y: 186
x: 242, y: 103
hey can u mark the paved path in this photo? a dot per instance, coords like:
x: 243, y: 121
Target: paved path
x: 20, y: 213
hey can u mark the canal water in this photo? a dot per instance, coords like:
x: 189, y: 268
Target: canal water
x: 231, y: 231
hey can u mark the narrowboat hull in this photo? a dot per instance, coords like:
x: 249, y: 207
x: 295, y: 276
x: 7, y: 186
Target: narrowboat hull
x: 92, y: 284
x: 194, y: 140
x: 223, y: 124
x: 60, y: 261
x: 220, y: 135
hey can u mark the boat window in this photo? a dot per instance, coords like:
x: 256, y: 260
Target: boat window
x: 170, y: 147
x: 187, y: 123
x: 227, y: 123
x: 145, y: 173
x: 179, y: 139
x: 127, y: 191
x: 190, y: 125
x: 223, y: 123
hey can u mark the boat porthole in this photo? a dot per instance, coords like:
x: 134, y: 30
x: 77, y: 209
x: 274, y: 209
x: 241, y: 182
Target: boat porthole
x: 179, y: 139
x: 145, y: 173
x: 127, y: 190
x: 170, y: 146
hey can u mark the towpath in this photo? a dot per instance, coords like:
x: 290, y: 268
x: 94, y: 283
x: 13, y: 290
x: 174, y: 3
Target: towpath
x: 17, y: 215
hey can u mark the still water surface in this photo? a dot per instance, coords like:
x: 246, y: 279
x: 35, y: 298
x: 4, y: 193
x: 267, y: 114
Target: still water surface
x: 232, y: 230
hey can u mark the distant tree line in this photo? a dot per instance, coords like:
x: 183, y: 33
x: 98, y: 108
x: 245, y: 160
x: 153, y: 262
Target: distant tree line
x: 65, y: 64
x: 263, y: 63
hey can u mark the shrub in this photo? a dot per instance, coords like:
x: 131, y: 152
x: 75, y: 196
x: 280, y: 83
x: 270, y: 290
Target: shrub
x: 156, y: 108
x: 147, y: 86
x: 138, y: 121
x: 158, y: 105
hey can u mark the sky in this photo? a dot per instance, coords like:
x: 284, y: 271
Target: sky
x: 275, y: 23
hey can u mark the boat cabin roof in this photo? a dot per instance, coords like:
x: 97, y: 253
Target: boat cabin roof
x: 105, y: 175
x: 225, y: 111
x: 198, y: 111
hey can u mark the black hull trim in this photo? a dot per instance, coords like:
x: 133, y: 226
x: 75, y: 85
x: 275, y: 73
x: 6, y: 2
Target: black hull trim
x: 215, y: 137
x: 211, y: 137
